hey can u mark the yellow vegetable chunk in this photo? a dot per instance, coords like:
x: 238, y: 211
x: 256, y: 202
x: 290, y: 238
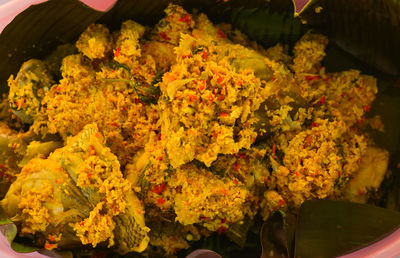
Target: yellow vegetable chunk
x: 369, y: 177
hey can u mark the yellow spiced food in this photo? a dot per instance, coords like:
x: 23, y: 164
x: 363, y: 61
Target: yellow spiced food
x: 154, y: 138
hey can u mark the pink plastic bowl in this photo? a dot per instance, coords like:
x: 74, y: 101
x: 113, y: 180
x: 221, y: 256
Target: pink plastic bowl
x: 385, y: 248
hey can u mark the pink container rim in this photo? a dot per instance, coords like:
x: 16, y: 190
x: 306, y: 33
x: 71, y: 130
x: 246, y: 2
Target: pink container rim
x: 387, y: 247
x: 11, y: 8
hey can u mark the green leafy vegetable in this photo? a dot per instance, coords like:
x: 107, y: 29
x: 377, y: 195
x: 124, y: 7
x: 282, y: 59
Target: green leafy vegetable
x: 368, y: 31
x: 115, y: 65
x: 9, y: 230
x: 22, y: 248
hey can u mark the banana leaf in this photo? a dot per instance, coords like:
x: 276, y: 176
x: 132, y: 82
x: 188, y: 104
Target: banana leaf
x: 374, y: 38
x: 367, y: 29
x: 327, y: 228
x: 364, y: 34
x: 331, y: 228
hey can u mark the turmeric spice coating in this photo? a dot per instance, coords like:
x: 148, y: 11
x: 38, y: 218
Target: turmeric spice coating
x: 157, y: 137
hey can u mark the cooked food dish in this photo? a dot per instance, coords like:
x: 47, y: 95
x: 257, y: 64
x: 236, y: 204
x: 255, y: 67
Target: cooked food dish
x: 152, y: 138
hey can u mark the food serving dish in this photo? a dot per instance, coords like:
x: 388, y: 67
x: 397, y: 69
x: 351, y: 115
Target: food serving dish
x: 181, y: 158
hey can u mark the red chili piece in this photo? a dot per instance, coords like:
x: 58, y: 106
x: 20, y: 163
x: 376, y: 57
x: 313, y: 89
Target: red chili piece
x: 312, y: 77
x: 159, y: 188
x: 314, y: 124
x: 186, y: 19
x: 367, y: 108
x: 221, y: 230
x: 221, y: 34
x: 322, y: 100
x: 164, y: 36
x: 273, y: 150
x: 117, y: 51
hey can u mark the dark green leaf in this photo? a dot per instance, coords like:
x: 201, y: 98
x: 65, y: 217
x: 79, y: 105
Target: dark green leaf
x: 367, y: 29
x: 267, y: 26
x: 115, y: 65
x: 22, y: 248
x: 330, y: 228
x: 157, y: 78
